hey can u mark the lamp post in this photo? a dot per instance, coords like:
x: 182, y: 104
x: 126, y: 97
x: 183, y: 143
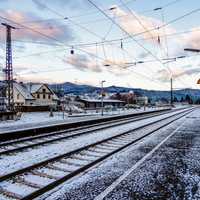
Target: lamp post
x: 130, y: 93
x: 171, y: 92
x: 102, y: 95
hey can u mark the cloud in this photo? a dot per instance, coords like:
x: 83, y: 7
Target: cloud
x: 192, y: 40
x: 187, y: 66
x: 52, y: 29
x: 118, y: 63
x: 132, y: 25
x: 116, y: 67
x: 187, y: 40
x: 19, y: 69
x: 83, y: 63
x: 164, y: 76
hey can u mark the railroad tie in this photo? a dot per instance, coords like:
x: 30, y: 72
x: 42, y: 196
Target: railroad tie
x: 10, y: 194
x: 45, y: 175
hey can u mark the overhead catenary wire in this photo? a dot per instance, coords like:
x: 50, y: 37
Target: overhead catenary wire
x: 127, y: 37
x: 102, y: 19
x: 52, y: 38
x: 137, y: 19
x: 141, y: 33
x: 99, y: 43
x: 86, y: 29
x: 120, y: 27
x: 73, y: 16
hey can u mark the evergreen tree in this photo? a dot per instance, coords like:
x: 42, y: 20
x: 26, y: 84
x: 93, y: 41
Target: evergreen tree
x: 187, y: 98
x: 182, y: 99
x: 175, y: 99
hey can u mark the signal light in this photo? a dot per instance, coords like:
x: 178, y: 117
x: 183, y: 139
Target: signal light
x: 72, y: 51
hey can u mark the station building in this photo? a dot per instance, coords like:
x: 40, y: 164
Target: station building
x: 96, y: 103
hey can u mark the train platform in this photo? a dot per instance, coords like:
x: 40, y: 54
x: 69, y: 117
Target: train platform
x: 42, y: 119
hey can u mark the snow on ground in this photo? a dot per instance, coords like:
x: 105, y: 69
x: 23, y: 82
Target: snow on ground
x: 173, y: 172
x: 16, y: 161
x: 85, y: 187
x: 37, y: 119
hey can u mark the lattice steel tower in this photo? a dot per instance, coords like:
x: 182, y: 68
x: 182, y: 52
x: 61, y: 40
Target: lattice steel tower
x: 9, y: 69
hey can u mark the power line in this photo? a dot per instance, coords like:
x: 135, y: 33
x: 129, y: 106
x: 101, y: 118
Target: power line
x: 125, y: 31
x: 90, y: 1
x: 73, y: 16
x: 44, y: 35
x: 137, y: 34
x: 101, y: 19
x: 55, y: 12
x: 170, y: 22
x: 59, y: 41
x: 117, y: 40
x: 137, y: 18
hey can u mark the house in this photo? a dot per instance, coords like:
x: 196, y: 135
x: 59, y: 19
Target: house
x: 96, y: 103
x: 3, y: 104
x: 33, y: 94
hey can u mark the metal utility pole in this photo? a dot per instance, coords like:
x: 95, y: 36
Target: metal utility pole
x: 171, y: 101
x: 9, y: 69
x: 102, y: 95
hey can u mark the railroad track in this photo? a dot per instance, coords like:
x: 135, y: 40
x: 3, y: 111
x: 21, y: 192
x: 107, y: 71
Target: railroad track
x: 15, y: 146
x: 34, y: 180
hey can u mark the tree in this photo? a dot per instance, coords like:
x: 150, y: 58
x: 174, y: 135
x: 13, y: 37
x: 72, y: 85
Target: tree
x: 149, y: 100
x: 189, y: 99
x: 182, y: 99
x: 118, y: 96
x: 197, y: 101
x: 175, y: 99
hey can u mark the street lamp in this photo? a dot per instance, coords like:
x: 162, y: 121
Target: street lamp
x: 130, y: 93
x: 102, y: 95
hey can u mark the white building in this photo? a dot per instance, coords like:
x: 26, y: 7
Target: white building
x: 33, y: 94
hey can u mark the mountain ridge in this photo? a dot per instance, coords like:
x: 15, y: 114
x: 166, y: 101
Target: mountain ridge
x: 79, y: 89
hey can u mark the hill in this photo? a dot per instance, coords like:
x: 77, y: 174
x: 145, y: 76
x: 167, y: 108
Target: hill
x: 71, y: 88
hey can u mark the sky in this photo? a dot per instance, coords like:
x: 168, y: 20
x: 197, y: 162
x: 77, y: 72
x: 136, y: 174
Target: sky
x: 131, y: 43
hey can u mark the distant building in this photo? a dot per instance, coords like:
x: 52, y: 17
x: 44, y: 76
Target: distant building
x: 33, y: 94
x: 3, y: 104
x: 96, y: 103
x: 141, y: 100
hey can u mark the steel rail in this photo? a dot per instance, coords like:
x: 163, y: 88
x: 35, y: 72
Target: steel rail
x: 119, y: 141
x: 65, y: 134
